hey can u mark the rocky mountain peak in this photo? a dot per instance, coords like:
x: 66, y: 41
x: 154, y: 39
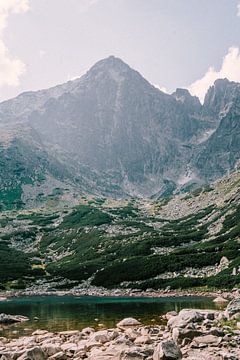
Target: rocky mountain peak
x: 111, y: 62
x: 183, y: 96
x: 112, y: 67
x: 221, y: 96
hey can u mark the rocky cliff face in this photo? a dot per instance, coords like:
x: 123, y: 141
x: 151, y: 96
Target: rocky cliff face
x: 220, y: 153
x: 112, y: 124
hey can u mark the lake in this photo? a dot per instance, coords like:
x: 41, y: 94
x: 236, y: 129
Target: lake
x: 59, y: 313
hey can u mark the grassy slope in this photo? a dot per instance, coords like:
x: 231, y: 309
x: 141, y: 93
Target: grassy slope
x: 132, y: 243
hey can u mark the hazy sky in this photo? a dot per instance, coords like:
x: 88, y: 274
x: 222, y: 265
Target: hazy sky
x: 173, y: 43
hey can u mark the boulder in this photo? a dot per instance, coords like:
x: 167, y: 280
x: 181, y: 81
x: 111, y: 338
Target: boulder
x: 87, y: 330
x: 233, y: 307
x: 184, y: 318
x: 127, y: 323
x: 170, y: 314
x: 179, y: 334
x: 143, y: 339
x: 167, y: 350
x: 220, y: 300
x: 100, y: 336
x: 35, y: 353
x: 51, y: 349
x: 137, y: 353
x: 70, y: 347
x: 208, y: 340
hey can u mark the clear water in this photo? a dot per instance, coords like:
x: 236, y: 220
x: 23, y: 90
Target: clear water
x: 59, y: 313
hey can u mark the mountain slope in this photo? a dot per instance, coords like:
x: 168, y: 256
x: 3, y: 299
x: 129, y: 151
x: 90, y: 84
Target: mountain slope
x: 185, y: 241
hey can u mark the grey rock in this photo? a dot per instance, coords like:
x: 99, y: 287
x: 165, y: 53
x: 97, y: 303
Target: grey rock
x: 233, y: 307
x: 167, y: 350
x: 35, y: 353
x: 128, y: 322
x: 10, y: 319
x: 184, y: 318
x: 180, y: 334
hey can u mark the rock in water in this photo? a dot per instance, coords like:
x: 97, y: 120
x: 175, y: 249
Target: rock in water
x: 128, y: 322
x: 10, y: 319
x: 220, y: 300
x: 167, y: 350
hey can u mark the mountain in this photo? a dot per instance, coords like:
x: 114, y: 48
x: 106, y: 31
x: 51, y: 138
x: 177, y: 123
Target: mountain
x: 112, y: 133
x: 107, y: 181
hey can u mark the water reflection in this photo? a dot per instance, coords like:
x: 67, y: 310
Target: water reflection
x: 57, y: 313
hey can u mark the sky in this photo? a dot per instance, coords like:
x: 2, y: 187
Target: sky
x: 172, y: 43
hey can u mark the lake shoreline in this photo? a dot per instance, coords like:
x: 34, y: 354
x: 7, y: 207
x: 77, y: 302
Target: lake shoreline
x: 100, y: 292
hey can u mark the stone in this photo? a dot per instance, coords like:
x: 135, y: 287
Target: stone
x: 69, y: 333
x: 35, y: 353
x: 184, y: 318
x: 137, y: 353
x: 220, y: 300
x: 104, y: 355
x: 216, y: 332
x: 40, y: 332
x: 179, y: 334
x: 228, y: 356
x: 224, y: 263
x: 51, y: 349
x: 71, y: 347
x: 208, y: 340
x: 144, y: 339
x: 233, y: 307
x: 128, y: 322
x: 10, y: 319
x: 100, y: 336
x: 170, y: 314
x: 167, y: 350
x: 88, y: 330
x: 236, y: 316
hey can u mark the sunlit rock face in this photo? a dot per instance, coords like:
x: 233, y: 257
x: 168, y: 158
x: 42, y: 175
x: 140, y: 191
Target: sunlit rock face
x: 113, y: 125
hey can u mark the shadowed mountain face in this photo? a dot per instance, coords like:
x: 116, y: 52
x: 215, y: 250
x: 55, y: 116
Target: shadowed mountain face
x: 120, y: 135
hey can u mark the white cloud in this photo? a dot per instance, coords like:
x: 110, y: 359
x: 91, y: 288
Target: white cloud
x: 230, y: 69
x: 163, y: 88
x: 238, y: 9
x: 42, y: 53
x: 11, y: 68
x: 85, y: 5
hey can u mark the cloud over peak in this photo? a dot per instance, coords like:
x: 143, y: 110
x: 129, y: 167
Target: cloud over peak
x: 230, y: 69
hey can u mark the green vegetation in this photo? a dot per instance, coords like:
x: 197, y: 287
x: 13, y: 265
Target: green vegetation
x: 13, y: 264
x: 85, y: 215
x: 123, y: 245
